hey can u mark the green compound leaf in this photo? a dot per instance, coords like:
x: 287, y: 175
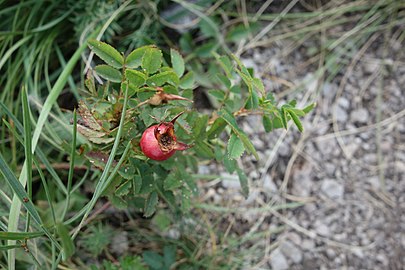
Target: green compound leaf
x: 152, y: 60
x: 134, y: 59
x: 177, y: 62
x: 135, y: 78
x: 230, y: 119
x: 162, y: 78
x: 235, y: 147
x: 109, y: 73
x: 150, y: 204
x: 107, y: 53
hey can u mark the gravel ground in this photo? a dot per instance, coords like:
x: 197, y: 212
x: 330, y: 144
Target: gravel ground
x: 347, y: 168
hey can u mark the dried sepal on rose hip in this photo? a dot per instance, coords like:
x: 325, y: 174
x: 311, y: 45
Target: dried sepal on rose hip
x: 158, y: 142
x: 160, y: 97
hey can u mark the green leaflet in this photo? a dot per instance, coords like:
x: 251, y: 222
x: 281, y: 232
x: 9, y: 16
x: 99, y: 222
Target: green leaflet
x: 107, y: 53
x: 135, y: 78
x: 177, y: 62
x: 235, y: 147
x: 230, y: 119
x: 109, y: 73
x: 152, y: 60
x: 150, y: 204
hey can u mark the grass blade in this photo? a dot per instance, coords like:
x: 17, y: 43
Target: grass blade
x: 19, y: 235
x: 27, y: 147
x: 49, y: 102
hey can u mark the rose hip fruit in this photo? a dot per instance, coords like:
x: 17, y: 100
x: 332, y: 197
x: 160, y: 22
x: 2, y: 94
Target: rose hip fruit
x: 159, y: 142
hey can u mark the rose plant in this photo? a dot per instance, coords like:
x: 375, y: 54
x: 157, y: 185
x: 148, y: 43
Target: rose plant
x: 144, y: 88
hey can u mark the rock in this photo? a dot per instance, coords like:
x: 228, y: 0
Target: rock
x: 284, y: 150
x: 321, y: 228
x: 230, y: 181
x: 277, y: 260
x: 268, y: 184
x: 382, y: 259
x: 352, y: 147
x: 343, y: 103
x: 332, y: 189
x: 311, y: 83
x: 330, y: 168
x: 302, y: 181
x: 329, y: 90
x: 202, y: 169
x: 120, y: 244
x: 341, y: 114
x: 330, y: 253
x: 173, y: 233
x: 295, y: 238
x: 308, y: 244
x: 374, y: 181
x: 254, y: 174
x: 360, y: 115
x: 291, y: 251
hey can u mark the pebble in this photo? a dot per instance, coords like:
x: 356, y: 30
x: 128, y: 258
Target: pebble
x: 230, y: 181
x: 343, y: 103
x: 352, y: 147
x: 374, y: 181
x: 321, y: 228
x: 341, y: 114
x: 330, y: 253
x: 291, y: 251
x: 254, y: 174
x: 277, y: 260
x: 284, y: 150
x: 329, y: 90
x: 302, y: 185
x: 330, y: 168
x: 120, y: 244
x: 332, y: 189
x: 360, y: 116
x: 308, y: 244
x: 294, y: 237
x: 202, y: 169
x: 268, y: 184
x: 383, y: 259
x: 173, y: 233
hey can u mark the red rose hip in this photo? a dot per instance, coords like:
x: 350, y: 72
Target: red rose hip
x: 158, y: 142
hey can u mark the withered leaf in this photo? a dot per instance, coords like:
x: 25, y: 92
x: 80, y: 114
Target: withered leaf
x: 88, y: 119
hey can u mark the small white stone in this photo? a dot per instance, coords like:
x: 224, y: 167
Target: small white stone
x: 277, y: 260
x: 291, y: 251
x: 332, y: 189
x: 360, y: 115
